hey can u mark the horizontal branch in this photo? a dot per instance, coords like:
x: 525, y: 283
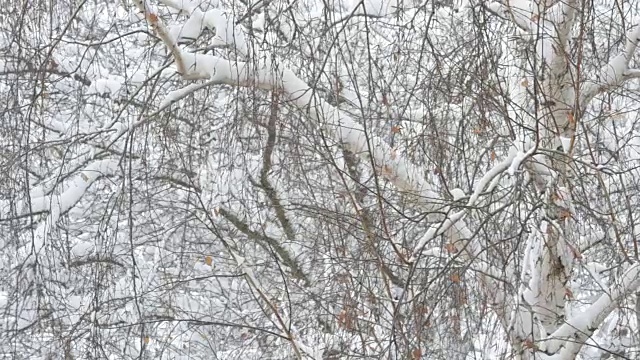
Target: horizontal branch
x: 73, y: 189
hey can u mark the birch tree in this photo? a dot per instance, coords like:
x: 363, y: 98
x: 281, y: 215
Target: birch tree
x: 323, y: 180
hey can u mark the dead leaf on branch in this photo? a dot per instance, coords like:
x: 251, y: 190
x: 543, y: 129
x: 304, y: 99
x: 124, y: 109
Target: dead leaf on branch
x: 529, y: 344
x: 421, y: 309
x: 565, y: 214
x: 576, y: 252
x: 568, y: 293
x: 346, y: 320
x: 372, y: 299
x: 555, y: 196
x: 455, y: 277
x: 339, y: 85
x: 550, y: 230
x: 451, y: 248
x: 387, y: 170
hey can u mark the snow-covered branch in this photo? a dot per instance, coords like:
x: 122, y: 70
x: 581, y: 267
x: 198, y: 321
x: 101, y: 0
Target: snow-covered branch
x: 268, y: 76
x: 57, y: 205
x: 615, y: 72
x: 226, y: 33
x: 486, y: 182
x: 570, y: 337
x: 73, y: 190
x: 514, y: 13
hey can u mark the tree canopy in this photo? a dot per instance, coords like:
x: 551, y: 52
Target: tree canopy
x: 276, y: 179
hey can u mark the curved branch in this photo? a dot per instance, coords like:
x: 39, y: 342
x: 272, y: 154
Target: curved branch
x: 570, y: 337
x: 615, y: 72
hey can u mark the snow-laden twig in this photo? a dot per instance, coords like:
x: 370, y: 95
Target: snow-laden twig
x: 519, y: 158
x: 280, y: 318
x: 435, y: 230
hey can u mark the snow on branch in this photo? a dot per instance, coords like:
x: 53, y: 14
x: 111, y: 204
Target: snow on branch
x: 486, y: 182
x: 571, y: 336
x: 57, y: 205
x: 531, y: 16
x: 517, y: 14
x: 615, y: 72
x: 74, y: 190
x: 267, y: 75
x: 405, y: 175
x: 227, y: 33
